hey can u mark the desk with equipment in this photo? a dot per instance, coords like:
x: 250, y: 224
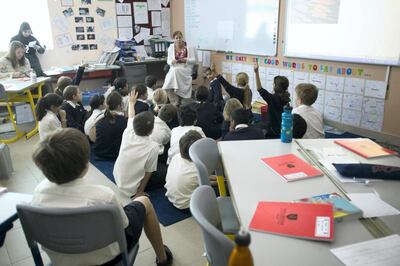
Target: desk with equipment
x: 91, y: 72
x: 251, y: 181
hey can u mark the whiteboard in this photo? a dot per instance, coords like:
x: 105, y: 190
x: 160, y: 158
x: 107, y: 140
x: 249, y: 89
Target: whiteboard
x: 361, y: 31
x: 239, y: 26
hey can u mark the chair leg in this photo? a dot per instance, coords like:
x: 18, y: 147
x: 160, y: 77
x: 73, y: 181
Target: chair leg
x: 18, y: 133
x: 37, y: 258
x: 221, y: 186
x: 230, y: 236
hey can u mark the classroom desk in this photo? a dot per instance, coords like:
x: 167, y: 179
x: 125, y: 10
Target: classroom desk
x: 19, y: 91
x: 8, y: 213
x: 108, y: 71
x: 250, y: 181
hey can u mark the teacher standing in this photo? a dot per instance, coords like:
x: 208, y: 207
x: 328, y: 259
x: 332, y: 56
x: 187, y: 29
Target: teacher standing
x: 32, y: 46
x: 181, y: 59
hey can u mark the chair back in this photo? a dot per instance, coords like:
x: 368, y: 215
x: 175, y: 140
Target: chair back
x: 73, y: 230
x: 204, y: 208
x: 206, y: 151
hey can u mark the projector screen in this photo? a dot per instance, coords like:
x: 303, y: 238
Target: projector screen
x: 362, y: 31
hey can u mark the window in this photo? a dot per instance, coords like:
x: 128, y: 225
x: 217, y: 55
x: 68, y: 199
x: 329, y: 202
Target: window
x: 36, y: 13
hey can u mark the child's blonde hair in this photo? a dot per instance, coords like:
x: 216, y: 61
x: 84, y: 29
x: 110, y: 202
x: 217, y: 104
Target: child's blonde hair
x: 160, y: 97
x: 230, y: 106
x: 242, y: 80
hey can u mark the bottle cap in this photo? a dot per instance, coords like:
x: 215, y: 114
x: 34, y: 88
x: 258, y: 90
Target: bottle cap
x: 242, y: 238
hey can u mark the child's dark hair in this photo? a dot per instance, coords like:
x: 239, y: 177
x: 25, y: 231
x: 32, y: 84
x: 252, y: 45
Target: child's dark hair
x: 240, y: 116
x: 69, y: 92
x: 143, y: 123
x: 281, y: 88
x: 150, y: 81
x: 307, y: 93
x: 113, y: 101
x: 167, y: 112
x: 96, y: 101
x: 120, y: 85
x: 299, y: 126
x: 187, y: 115
x: 202, y: 93
x: 63, y: 156
x: 46, y: 102
x: 186, y: 141
x: 141, y: 90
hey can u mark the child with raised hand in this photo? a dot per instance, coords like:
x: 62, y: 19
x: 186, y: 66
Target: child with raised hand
x: 65, y: 81
x: 275, y: 101
x: 217, y: 94
x: 76, y: 114
x: 47, y: 110
x: 63, y: 157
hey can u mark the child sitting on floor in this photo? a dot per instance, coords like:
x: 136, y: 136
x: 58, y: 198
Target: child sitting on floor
x: 47, y: 109
x: 76, y: 114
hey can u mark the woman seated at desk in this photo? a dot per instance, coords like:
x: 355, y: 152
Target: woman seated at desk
x: 181, y: 58
x: 14, y: 64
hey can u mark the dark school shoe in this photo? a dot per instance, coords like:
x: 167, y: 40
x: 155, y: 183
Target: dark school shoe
x: 168, y: 262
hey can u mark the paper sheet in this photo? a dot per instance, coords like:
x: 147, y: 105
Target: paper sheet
x: 373, y: 111
x: 321, y: 98
x: 154, y: 4
x: 333, y: 98
x: 107, y: 24
x: 61, y: 23
x: 156, y: 18
x: 334, y: 83
x: 124, y: 21
x: 63, y: 40
x: 372, y: 205
x: 107, y: 42
x: 383, y: 251
x: 157, y: 31
x: 123, y: 9
x: 226, y: 67
x: 318, y: 80
x: 206, y: 59
x: 375, y: 89
x: 351, y: 117
x: 354, y: 85
x: 352, y: 102
x: 140, y: 12
x: 23, y: 113
x: 332, y: 113
x: 300, y: 77
x: 165, y: 22
x: 125, y: 34
x: 271, y: 74
x: 141, y: 51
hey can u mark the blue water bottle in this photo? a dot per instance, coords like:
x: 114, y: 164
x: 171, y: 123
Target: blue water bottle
x: 287, y: 124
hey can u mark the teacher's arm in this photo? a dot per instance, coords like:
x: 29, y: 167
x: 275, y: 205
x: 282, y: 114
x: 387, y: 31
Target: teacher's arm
x: 171, y: 55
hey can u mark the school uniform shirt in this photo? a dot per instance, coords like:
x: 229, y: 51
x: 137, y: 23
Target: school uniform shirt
x: 6, y: 68
x: 244, y: 132
x: 234, y: 92
x: 275, y: 110
x: 141, y: 106
x: 75, y: 194
x: 96, y: 115
x: 125, y: 99
x: 181, y: 181
x: 313, y: 118
x: 161, y: 133
x: 138, y: 155
x: 109, y: 136
x: 150, y: 93
x: 76, y: 115
x: 209, y: 119
x: 49, y: 124
x: 176, y: 134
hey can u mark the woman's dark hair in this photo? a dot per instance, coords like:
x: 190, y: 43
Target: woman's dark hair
x: 63, y: 156
x: 24, y: 26
x: 202, y: 94
x: 281, y: 88
x: 120, y: 84
x: 45, y: 103
x: 14, y: 45
x: 113, y: 101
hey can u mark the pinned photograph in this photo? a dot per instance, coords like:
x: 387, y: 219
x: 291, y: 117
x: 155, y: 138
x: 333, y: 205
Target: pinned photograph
x: 80, y: 37
x: 84, y: 47
x: 101, y: 12
x: 93, y: 46
x: 86, y: 2
x: 91, y: 37
x: 83, y: 11
x: 68, y: 12
x: 75, y: 47
x: 90, y: 19
x: 80, y: 29
x: 78, y: 19
x: 90, y: 28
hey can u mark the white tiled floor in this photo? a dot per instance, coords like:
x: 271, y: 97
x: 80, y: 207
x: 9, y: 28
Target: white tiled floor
x: 183, y: 238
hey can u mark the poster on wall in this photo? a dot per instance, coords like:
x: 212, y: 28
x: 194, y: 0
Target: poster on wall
x: 63, y: 40
x: 67, y: 2
x: 101, y: 12
x: 140, y: 12
x: 123, y: 9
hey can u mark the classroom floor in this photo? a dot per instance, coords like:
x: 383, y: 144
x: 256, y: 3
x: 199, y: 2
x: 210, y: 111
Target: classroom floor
x: 183, y: 238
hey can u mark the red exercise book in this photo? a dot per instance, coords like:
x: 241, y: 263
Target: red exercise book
x: 304, y: 220
x: 290, y: 167
x: 365, y: 147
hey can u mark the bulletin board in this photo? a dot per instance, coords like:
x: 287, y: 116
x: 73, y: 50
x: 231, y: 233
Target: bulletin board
x: 139, y: 19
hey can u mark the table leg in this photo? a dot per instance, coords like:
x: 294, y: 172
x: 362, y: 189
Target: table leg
x: 35, y: 130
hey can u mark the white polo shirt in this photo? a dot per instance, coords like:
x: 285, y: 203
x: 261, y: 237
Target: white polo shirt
x: 161, y: 133
x: 75, y: 194
x: 181, y: 181
x: 176, y: 134
x: 313, y: 118
x: 97, y: 114
x: 49, y: 124
x: 137, y: 156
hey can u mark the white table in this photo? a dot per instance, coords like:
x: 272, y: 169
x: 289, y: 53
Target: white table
x: 19, y: 91
x: 251, y: 181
